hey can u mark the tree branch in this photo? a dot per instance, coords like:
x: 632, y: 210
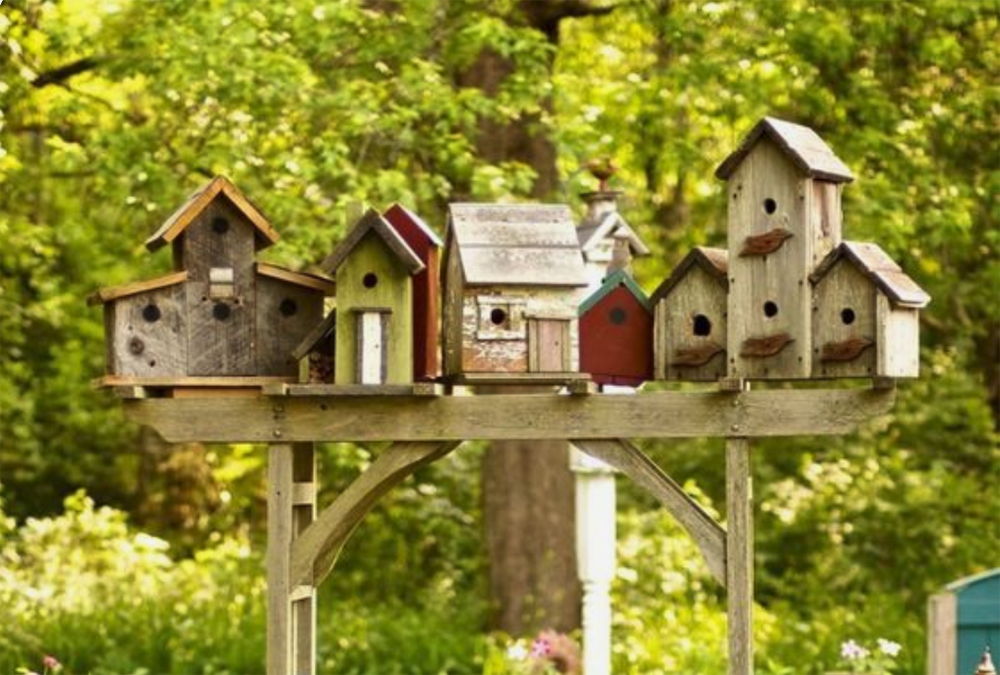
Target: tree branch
x: 545, y: 15
x: 63, y: 73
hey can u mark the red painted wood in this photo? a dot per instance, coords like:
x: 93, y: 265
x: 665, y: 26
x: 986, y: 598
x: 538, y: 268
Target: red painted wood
x: 619, y: 353
x: 425, y: 292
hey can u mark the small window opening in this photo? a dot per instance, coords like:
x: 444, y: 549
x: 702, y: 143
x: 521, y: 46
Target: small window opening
x: 702, y: 326
x: 221, y: 311
x: 617, y: 316
x: 370, y: 280
x: 288, y: 307
x: 151, y: 313
x: 770, y: 309
x: 848, y: 316
x: 220, y: 225
x: 498, y: 316
x: 770, y: 206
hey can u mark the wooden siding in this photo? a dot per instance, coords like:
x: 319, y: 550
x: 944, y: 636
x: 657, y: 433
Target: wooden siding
x: 146, y: 335
x: 844, y: 312
x: 695, y: 301
x: 619, y: 349
x: 286, y: 313
x: 898, y: 339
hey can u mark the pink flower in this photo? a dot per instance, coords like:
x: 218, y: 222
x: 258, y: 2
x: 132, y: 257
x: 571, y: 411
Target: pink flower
x: 51, y: 663
x: 540, y: 648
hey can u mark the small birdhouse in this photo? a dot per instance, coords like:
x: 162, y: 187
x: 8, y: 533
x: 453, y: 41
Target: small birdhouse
x: 317, y: 353
x: 220, y: 313
x: 865, y: 315
x: 374, y: 270
x: 616, y: 333
x: 689, y: 335
x: 512, y: 284
x: 784, y: 197
x: 608, y: 242
x: 422, y: 240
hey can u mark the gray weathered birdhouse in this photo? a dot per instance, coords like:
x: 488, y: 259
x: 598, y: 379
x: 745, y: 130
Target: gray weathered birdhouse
x: 689, y: 321
x: 784, y: 218
x: 607, y: 241
x: 220, y: 313
x: 865, y: 315
x: 374, y: 268
x: 514, y: 277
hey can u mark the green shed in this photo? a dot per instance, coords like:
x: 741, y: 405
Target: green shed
x: 963, y: 621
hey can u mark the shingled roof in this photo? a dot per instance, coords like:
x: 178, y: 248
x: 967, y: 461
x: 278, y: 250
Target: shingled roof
x: 803, y: 146
x: 876, y: 264
x: 715, y: 261
x: 196, y: 203
x: 374, y: 223
x: 595, y: 228
x: 523, y: 244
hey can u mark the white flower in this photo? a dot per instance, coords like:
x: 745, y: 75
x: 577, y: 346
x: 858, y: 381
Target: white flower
x: 851, y: 650
x: 517, y: 652
x: 888, y: 647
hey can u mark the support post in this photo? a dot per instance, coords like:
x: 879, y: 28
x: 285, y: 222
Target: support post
x: 291, y: 610
x: 739, y: 555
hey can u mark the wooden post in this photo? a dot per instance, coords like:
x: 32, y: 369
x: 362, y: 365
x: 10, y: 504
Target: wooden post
x: 739, y: 555
x: 291, y: 611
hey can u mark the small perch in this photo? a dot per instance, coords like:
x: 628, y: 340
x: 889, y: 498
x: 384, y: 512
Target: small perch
x: 847, y: 350
x: 696, y: 356
x: 763, y: 244
x: 766, y: 346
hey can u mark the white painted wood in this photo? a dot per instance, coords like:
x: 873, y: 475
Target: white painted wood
x: 371, y: 348
x: 942, y: 618
x: 739, y: 556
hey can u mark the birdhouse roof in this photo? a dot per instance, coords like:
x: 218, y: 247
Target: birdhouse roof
x: 196, y: 203
x: 399, y: 211
x: 110, y: 293
x: 876, y: 264
x: 523, y: 245
x: 802, y: 145
x: 323, y: 329
x: 715, y: 261
x: 372, y: 222
x: 592, y: 231
x: 304, y: 279
x: 613, y: 281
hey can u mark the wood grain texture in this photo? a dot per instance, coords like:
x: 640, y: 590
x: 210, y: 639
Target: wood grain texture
x: 739, y: 556
x: 147, y: 334
x: 279, y: 543
x: 515, y: 416
x: 114, y: 292
x: 763, y: 347
x: 630, y: 460
x: 691, y: 320
x: 315, y: 551
x: 843, y: 314
x: 942, y: 625
x: 897, y: 338
x: 766, y: 243
x: 286, y: 313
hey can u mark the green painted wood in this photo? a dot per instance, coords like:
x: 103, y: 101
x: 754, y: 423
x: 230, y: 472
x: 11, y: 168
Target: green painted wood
x: 392, y: 291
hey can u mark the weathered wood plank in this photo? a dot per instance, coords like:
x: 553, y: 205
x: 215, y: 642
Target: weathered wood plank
x: 315, y: 552
x: 416, y: 389
x: 175, y: 381
x: 739, y: 556
x: 539, y: 416
x: 634, y: 463
x: 279, y: 541
x: 106, y: 294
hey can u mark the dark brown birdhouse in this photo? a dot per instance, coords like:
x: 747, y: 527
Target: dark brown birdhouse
x: 690, y: 318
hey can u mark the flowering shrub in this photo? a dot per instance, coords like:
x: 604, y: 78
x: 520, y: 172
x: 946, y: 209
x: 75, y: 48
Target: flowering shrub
x: 550, y: 653
x: 864, y: 661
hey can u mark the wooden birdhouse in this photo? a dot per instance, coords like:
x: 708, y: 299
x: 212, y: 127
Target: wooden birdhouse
x: 784, y: 217
x: 374, y: 270
x: 317, y: 353
x: 865, y: 315
x: 616, y: 333
x: 220, y: 313
x: 426, y: 322
x: 513, y: 280
x: 690, y: 318
x: 607, y: 241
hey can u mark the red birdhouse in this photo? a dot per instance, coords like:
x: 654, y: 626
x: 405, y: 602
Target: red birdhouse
x: 616, y: 333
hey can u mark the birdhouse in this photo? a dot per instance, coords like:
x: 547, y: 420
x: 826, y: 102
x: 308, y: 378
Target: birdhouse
x: 220, y: 313
x: 963, y: 619
x: 317, y: 353
x: 784, y: 217
x: 689, y: 334
x: 865, y: 315
x: 513, y: 280
x: 616, y: 333
x: 374, y: 270
x: 608, y: 242
x: 422, y: 241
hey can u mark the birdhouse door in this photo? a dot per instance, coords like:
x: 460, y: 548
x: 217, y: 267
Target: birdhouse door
x: 548, y: 346
x: 372, y: 353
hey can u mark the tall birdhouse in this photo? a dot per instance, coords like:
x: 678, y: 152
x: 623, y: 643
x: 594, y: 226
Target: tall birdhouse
x: 784, y: 218
x: 374, y: 269
x: 607, y: 241
x: 513, y: 280
x: 220, y: 313
x: 422, y: 240
x: 865, y: 315
x: 690, y: 318
x: 616, y: 333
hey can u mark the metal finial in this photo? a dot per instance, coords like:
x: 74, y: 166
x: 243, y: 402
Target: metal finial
x: 602, y: 168
x: 986, y: 664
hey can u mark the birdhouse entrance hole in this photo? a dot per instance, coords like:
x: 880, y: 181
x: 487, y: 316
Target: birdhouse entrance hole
x: 847, y: 316
x: 770, y: 309
x: 370, y: 280
x: 702, y: 326
x: 221, y: 311
x: 151, y: 313
x: 288, y: 307
x: 498, y: 316
x: 617, y: 316
x: 220, y: 225
x: 770, y: 206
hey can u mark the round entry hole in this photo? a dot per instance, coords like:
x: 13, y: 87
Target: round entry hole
x: 770, y: 206
x: 848, y: 316
x: 220, y: 225
x: 288, y: 307
x: 702, y: 325
x: 370, y: 280
x: 221, y: 311
x: 770, y: 309
x: 617, y: 316
x: 151, y: 313
x: 498, y: 316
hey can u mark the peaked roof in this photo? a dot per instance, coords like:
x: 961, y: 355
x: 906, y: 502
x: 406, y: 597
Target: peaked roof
x: 374, y: 223
x: 592, y: 231
x: 110, y: 293
x: 803, y: 146
x: 876, y: 264
x: 397, y: 210
x: 613, y: 281
x: 715, y: 261
x: 522, y: 244
x: 196, y: 203
x: 304, y: 279
x: 323, y: 329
